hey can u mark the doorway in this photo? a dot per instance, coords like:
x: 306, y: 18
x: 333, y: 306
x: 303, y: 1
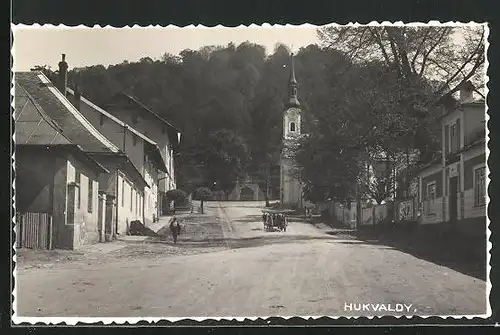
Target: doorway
x: 452, y: 200
x: 246, y: 194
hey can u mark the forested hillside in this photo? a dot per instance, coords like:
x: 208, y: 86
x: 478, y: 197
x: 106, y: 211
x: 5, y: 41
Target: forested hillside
x: 365, y: 92
x: 227, y: 100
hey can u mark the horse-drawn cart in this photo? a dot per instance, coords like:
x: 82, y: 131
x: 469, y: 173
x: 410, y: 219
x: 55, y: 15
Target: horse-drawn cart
x: 275, y: 219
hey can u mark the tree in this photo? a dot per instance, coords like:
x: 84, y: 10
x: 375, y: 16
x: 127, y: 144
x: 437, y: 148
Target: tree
x: 202, y: 194
x: 449, y: 56
x: 366, y: 111
x: 176, y: 196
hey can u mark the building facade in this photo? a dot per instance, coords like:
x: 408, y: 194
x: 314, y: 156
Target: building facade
x: 290, y: 184
x: 57, y: 177
x: 454, y: 189
x: 134, y: 190
x: 131, y: 111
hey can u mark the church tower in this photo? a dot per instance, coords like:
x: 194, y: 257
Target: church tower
x: 291, y: 188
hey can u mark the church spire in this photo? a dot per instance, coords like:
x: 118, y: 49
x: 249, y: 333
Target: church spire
x: 293, y: 100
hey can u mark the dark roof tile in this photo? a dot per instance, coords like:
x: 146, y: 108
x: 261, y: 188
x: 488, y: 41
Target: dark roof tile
x: 48, y: 101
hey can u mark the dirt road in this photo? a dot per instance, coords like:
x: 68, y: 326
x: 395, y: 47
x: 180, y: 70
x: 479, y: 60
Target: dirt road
x: 304, y: 271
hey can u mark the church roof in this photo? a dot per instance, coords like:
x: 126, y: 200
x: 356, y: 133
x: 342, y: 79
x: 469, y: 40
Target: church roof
x: 293, y: 101
x: 292, y: 71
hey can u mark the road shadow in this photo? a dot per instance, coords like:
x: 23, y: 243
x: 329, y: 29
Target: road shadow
x: 248, y: 218
x: 237, y: 243
x: 438, y: 243
x: 258, y: 218
x: 453, y: 251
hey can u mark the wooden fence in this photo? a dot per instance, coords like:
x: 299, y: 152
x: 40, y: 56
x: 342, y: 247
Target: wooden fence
x: 34, y: 230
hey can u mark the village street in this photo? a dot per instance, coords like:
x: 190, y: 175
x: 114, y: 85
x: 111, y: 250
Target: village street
x: 245, y: 271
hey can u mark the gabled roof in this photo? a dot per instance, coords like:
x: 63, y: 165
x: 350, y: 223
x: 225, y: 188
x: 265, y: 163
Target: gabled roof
x: 112, y: 117
x: 152, y: 146
x: 140, y: 104
x: 123, y: 163
x: 459, y: 105
x: 73, y: 149
x: 173, y: 132
x: 55, y: 106
x: 474, y: 103
x: 33, y: 125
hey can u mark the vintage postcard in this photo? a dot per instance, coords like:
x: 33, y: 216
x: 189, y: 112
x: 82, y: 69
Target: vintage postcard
x: 167, y: 173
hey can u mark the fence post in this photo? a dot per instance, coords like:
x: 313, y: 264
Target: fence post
x: 19, y: 236
x: 50, y: 232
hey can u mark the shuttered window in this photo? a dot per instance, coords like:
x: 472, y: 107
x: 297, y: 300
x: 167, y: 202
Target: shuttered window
x: 131, y: 198
x: 77, y: 181
x: 447, y: 139
x: 123, y: 193
x: 480, y: 186
x: 90, y: 195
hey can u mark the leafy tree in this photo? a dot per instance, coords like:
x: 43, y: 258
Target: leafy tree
x: 430, y: 52
x: 202, y: 194
x: 176, y: 195
x: 358, y: 99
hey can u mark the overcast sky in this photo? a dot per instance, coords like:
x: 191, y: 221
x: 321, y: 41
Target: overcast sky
x: 87, y: 46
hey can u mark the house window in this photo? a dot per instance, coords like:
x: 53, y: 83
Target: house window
x: 431, y: 195
x: 446, y: 140
x: 77, y: 182
x: 431, y: 190
x: 136, y: 203
x: 90, y: 196
x: 134, y: 139
x: 123, y: 193
x: 292, y: 126
x: 480, y: 186
x: 101, y: 120
x: 455, y: 137
x: 131, y: 198
x: 447, y: 181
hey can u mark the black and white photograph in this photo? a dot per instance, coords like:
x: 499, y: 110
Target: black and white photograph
x: 170, y: 173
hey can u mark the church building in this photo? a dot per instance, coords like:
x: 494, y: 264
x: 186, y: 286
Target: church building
x: 290, y: 184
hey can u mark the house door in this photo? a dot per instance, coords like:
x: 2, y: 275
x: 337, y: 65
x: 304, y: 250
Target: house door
x: 110, y: 218
x: 101, y: 210
x: 246, y: 194
x: 452, y: 200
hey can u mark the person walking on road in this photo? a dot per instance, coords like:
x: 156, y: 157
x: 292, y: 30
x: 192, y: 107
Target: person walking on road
x: 175, y: 229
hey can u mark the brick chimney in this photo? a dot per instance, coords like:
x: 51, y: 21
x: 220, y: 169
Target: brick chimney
x: 467, y: 92
x: 63, y: 75
x: 78, y: 97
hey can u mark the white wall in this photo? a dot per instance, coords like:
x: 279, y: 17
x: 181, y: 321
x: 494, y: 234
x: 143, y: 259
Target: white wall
x: 291, y: 187
x: 85, y: 222
x: 128, y: 211
x: 115, y: 133
x: 150, y: 194
x: 153, y: 129
x: 474, y: 117
x: 432, y: 210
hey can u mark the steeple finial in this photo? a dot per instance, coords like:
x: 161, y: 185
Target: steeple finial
x: 293, y: 100
x: 292, y: 71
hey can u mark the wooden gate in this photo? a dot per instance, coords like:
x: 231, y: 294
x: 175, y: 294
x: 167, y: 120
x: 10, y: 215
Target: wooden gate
x: 34, y: 230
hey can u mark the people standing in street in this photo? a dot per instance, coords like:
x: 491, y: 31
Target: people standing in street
x: 175, y: 229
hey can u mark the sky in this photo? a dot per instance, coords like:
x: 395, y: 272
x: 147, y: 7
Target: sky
x: 37, y: 45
